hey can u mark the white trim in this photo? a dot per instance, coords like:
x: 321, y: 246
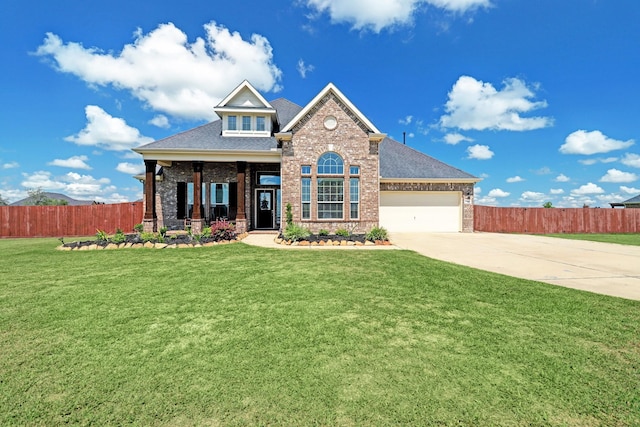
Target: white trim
x: 273, y: 156
x: 238, y: 89
x: 428, y: 180
x: 330, y: 88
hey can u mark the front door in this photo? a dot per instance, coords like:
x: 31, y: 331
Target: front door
x: 265, y: 209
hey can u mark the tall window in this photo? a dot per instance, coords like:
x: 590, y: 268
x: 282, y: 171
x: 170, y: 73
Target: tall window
x: 219, y: 207
x: 246, y: 122
x: 306, y: 198
x: 260, y: 124
x: 354, y: 198
x: 232, y: 123
x: 330, y: 198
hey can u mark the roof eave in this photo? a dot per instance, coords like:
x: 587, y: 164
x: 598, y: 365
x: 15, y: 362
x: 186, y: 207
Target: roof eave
x: 427, y: 180
x: 271, y: 156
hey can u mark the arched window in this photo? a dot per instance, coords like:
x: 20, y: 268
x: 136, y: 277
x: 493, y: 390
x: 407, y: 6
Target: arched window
x: 330, y: 164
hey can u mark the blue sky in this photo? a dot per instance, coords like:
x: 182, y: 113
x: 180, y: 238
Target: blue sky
x: 538, y: 98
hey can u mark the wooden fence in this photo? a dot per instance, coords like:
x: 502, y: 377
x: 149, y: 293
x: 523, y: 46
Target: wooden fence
x: 59, y: 221
x: 556, y: 220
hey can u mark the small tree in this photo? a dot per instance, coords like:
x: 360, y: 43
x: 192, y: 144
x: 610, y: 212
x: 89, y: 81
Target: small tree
x: 38, y: 198
x: 547, y: 205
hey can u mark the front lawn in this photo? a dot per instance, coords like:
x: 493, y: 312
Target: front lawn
x: 621, y: 239
x: 237, y: 335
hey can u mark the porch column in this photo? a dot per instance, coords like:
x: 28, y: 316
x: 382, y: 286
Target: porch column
x: 150, y: 219
x: 241, y: 217
x: 196, y: 217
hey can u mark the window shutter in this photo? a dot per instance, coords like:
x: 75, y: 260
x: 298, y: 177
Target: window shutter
x: 181, y: 202
x: 233, y: 200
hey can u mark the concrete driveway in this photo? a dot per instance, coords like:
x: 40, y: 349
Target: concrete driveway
x: 603, y: 268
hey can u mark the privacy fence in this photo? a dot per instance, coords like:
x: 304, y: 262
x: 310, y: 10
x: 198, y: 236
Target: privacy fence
x: 59, y: 221
x: 556, y: 220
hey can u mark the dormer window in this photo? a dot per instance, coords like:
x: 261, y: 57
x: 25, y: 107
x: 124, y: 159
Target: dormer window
x: 231, y: 123
x: 260, y: 124
x: 246, y: 123
x: 244, y: 112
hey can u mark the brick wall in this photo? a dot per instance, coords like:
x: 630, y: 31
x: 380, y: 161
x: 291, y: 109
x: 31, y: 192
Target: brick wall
x: 351, y: 141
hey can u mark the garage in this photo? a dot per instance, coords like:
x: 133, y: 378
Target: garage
x: 421, y: 211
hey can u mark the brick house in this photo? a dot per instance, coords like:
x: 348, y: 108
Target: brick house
x: 326, y: 159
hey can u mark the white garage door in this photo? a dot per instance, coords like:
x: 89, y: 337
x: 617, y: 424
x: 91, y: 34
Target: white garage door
x: 420, y: 211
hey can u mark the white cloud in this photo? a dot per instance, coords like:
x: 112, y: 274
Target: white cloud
x: 407, y: 120
x: 589, y: 162
x: 477, y: 190
x: 479, y: 152
x: 161, y: 121
x: 74, y: 162
x: 497, y: 192
x: 456, y: 138
x: 10, y: 165
x: 562, y: 178
x: 83, y: 187
x: 130, y: 168
x: 631, y: 159
x: 532, y: 196
x: 379, y: 14
x: 615, y: 175
x: 515, y: 179
x: 170, y: 74
x: 303, y: 69
x: 108, y: 132
x: 589, y: 188
x: 594, y: 142
x: 474, y: 104
x: 629, y: 190
x: 556, y: 191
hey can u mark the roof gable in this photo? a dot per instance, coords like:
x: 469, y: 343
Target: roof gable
x: 320, y: 98
x: 244, y: 96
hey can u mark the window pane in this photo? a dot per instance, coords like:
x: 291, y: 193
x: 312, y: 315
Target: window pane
x: 306, y: 210
x: 354, y: 211
x: 330, y: 164
x: 231, y: 123
x: 354, y: 170
x: 246, y: 122
x: 306, y: 189
x: 260, y: 123
x: 268, y: 179
x: 330, y: 198
x: 306, y: 170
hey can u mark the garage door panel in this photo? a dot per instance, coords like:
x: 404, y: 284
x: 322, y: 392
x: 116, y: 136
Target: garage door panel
x: 420, y: 211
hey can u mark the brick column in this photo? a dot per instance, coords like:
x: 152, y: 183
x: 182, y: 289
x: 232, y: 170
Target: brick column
x: 196, y: 217
x: 150, y: 220
x: 241, y: 217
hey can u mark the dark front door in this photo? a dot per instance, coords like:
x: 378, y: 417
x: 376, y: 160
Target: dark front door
x: 265, y: 209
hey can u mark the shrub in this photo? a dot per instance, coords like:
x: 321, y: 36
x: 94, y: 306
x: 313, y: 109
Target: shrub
x: 342, y: 232
x: 138, y: 228
x: 323, y: 232
x: 147, y: 236
x: 119, y: 237
x: 206, y: 232
x: 289, y: 215
x: 101, y: 236
x: 223, y: 230
x: 163, y: 231
x: 295, y: 233
x: 378, y: 233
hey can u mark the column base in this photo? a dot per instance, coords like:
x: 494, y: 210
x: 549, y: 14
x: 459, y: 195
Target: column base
x: 196, y: 226
x: 150, y: 225
x: 241, y: 226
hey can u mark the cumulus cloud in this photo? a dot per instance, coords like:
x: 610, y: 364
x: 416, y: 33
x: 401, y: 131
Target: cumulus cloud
x: 594, y: 142
x: 160, y: 121
x: 456, y: 138
x: 629, y: 190
x: 497, y: 192
x: 532, y: 196
x: 479, y: 152
x: 556, y: 191
x: 615, y: 175
x: 73, y: 162
x: 589, y: 188
x: 515, y: 179
x: 10, y: 165
x: 631, y: 159
x: 108, y: 132
x: 376, y: 15
x: 477, y: 105
x: 83, y: 187
x: 562, y: 178
x: 130, y: 168
x: 407, y: 120
x: 589, y: 162
x: 168, y: 73
x: 303, y: 68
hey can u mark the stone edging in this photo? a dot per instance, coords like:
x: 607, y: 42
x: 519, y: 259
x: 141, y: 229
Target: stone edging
x: 149, y: 245
x: 331, y: 242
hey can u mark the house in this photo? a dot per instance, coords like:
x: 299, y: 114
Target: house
x: 633, y: 202
x: 326, y: 159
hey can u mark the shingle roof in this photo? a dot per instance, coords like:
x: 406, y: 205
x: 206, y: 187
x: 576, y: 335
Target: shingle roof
x: 209, y: 136
x: 400, y: 161
x: 631, y: 201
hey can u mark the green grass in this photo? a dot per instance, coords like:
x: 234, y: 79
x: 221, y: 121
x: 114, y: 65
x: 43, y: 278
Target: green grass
x: 237, y: 335
x: 621, y: 239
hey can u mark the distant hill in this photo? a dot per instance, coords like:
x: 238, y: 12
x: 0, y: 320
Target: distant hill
x: 70, y: 201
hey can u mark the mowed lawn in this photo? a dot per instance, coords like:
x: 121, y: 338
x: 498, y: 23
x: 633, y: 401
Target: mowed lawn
x: 238, y: 335
x: 622, y: 239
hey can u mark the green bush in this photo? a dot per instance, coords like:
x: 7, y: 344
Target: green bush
x: 163, y: 231
x: 138, y: 228
x: 295, y: 233
x: 323, y: 232
x: 343, y: 232
x: 119, y: 237
x: 377, y: 233
x: 206, y: 232
x: 289, y: 215
x: 101, y: 236
x: 147, y: 236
